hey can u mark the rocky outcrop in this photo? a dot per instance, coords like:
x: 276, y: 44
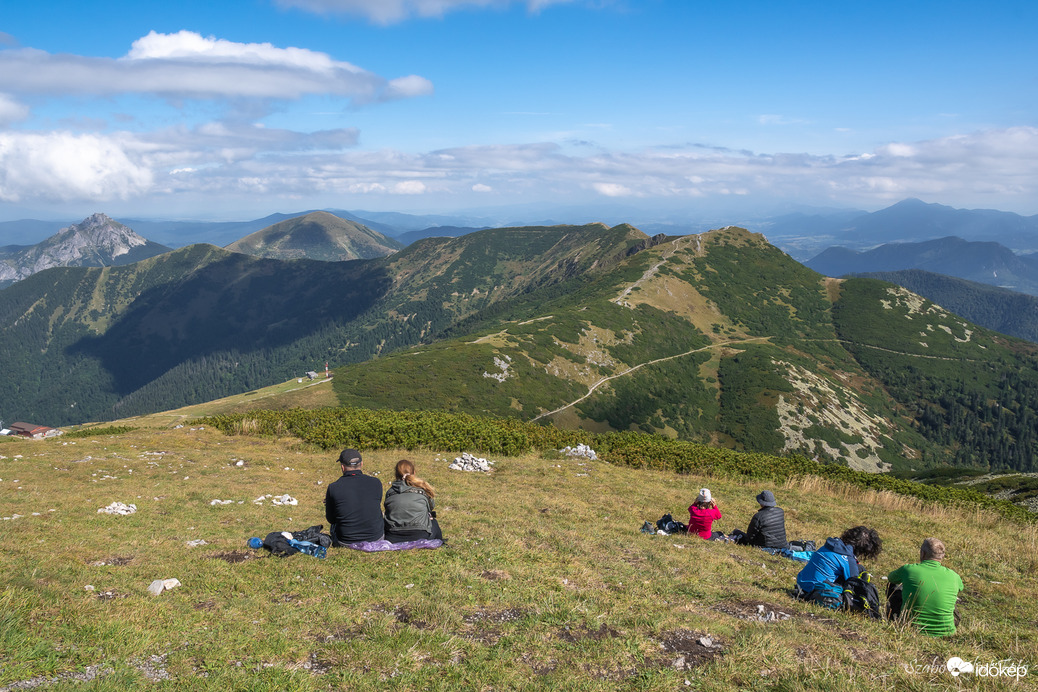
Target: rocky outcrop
x: 97, y: 241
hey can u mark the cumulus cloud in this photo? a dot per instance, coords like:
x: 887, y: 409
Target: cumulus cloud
x: 186, y: 64
x: 390, y: 11
x: 64, y: 166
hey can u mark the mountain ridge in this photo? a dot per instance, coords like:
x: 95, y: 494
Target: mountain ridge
x: 97, y: 241
x: 317, y: 235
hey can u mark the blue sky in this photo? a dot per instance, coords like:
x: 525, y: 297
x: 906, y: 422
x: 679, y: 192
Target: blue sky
x: 240, y: 108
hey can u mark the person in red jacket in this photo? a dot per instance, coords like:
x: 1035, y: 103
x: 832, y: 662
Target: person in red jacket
x: 702, y: 514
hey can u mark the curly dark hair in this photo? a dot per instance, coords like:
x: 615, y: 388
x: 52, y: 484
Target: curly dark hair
x: 866, y: 542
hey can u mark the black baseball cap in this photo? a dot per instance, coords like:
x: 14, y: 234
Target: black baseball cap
x: 350, y: 457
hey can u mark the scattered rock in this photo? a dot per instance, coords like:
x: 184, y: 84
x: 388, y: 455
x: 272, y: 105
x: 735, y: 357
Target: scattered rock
x: 160, y: 585
x: 118, y: 508
x: 580, y: 450
x: 754, y: 612
x: 196, y: 543
x: 470, y: 462
x: 692, y: 649
x: 221, y: 502
x: 276, y: 500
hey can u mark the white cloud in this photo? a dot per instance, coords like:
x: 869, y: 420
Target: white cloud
x: 222, y: 160
x: 186, y: 64
x: 390, y: 11
x: 11, y: 110
x: 409, y: 187
x: 64, y: 166
x: 612, y: 189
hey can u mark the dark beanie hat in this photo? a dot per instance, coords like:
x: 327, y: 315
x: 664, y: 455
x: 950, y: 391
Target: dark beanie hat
x: 349, y: 457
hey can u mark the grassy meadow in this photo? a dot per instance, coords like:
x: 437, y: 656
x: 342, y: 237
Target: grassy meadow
x: 545, y: 582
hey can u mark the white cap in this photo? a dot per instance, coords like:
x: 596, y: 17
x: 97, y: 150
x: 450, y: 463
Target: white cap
x: 704, y: 495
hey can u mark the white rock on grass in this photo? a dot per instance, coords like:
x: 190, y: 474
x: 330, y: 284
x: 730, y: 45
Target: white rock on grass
x: 118, y: 508
x: 160, y: 585
x: 470, y: 462
x: 580, y: 450
x: 196, y: 543
x: 276, y: 500
x: 220, y: 502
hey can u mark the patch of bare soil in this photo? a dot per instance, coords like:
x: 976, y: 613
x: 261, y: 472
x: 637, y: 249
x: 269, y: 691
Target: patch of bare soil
x: 233, y: 556
x: 405, y: 617
x: 495, y: 616
x: 341, y: 634
x: 205, y: 605
x: 313, y: 665
x: 688, y: 649
x: 540, y: 667
x: 756, y: 611
x: 496, y: 575
x: 113, y: 561
x: 483, y: 621
x: 583, y: 633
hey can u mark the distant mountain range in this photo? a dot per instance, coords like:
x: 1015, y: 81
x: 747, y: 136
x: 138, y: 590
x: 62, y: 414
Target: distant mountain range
x: 804, y: 235
x: 98, y: 241
x: 317, y: 235
x: 984, y: 262
x: 718, y: 338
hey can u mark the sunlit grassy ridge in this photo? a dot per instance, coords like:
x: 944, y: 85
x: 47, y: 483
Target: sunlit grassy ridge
x: 545, y: 583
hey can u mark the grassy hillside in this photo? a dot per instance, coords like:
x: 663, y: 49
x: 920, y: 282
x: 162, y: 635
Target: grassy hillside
x: 545, y: 582
x: 201, y: 323
x: 1009, y: 312
x: 722, y: 338
x: 318, y: 236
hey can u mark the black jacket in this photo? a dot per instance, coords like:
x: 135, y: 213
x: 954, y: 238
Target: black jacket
x: 767, y: 528
x: 353, y: 507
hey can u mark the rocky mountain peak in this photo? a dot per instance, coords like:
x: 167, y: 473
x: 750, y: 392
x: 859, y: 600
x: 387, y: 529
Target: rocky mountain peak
x: 99, y: 233
x: 97, y: 241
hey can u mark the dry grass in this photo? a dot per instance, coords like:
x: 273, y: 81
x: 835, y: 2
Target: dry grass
x: 546, y: 581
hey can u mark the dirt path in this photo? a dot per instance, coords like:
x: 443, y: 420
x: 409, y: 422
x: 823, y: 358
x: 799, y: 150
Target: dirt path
x: 631, y: 369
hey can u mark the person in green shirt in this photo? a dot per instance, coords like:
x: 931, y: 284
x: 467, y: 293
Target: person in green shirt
x: 925, y: 592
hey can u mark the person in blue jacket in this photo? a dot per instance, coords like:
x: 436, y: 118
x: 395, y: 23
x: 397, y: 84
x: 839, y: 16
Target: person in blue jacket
x: 822, y: 578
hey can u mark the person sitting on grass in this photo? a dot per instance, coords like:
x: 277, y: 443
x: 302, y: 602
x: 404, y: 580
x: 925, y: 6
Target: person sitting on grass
x: 353, y: 504
x: 410, y: 514
x: 702, y: 514
x: 823, y: 577
x: 767, y: 527
x: 926, y: 592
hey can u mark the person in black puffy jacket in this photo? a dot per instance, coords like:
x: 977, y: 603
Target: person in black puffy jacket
x: 768, y: 526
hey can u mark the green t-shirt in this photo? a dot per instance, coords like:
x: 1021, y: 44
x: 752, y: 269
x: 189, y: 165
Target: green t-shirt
x: 929, y: 591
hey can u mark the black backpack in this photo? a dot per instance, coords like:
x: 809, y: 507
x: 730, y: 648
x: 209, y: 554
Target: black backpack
x: 860, y: 595
x: 667, y: 523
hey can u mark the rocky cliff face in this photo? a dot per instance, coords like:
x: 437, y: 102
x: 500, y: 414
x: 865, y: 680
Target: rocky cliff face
x: 97, y: 241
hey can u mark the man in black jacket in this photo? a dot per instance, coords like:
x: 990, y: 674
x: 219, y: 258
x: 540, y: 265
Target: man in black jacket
x: 353, y: 504
x: 767, y: 528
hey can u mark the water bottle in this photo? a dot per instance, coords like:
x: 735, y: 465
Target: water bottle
x: 255, y: 542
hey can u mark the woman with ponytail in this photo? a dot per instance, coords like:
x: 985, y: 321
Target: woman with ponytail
x: 410, y: 514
